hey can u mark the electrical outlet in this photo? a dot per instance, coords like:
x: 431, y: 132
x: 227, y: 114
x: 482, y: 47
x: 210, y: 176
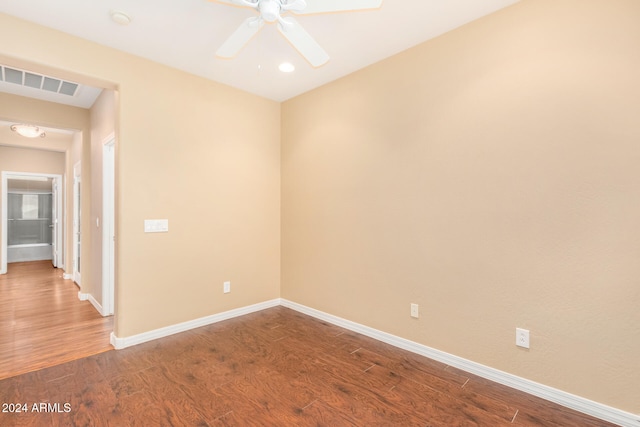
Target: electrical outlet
x: 522, y: 338
x: 227, y: 287
x: 414, y: 310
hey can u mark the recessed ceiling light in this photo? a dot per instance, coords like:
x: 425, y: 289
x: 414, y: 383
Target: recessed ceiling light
x: 286, y: 67
x: 120, y: 17
x: 29, y: 131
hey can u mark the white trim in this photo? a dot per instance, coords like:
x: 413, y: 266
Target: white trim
x: 67, y: 276
x: 62, y: 218
x: 59, y: 230
x: 3, y: 225
x: 580, y: 404
x: 88, y: 297
x: 96, y: 305
x: 108, y: 224
x: 560, y: 397
x: 120, y: 343
x: 77, y: 216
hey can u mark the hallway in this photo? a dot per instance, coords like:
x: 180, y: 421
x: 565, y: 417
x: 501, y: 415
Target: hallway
x: 42, y: 321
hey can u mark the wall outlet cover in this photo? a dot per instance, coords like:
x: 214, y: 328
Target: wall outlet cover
x: 414, y: 311
x: 522, y: 337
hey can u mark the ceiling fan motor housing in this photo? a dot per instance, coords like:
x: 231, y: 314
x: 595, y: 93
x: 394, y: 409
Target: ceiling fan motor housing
x: 270, y: 10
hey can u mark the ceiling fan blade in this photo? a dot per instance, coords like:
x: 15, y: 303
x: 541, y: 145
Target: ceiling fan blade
x: 240, y: 37
x: 303, y: 42
x: 323, y: 6
x: 297, y: 5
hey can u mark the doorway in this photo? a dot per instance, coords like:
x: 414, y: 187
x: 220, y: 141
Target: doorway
x: 76, y: 134
x: 32, y: 226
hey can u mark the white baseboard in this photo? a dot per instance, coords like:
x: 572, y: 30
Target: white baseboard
x: 96, y: 304
x: 120, y: 343
x: 560, y: 397
x: 67, y: 276
x: 92, y: 300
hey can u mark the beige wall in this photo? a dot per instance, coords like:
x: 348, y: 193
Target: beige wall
x: 490, y: 176
x: 103, y: 119
x: 18, y: 159
x: 21, y: 159
x: 187, y: 153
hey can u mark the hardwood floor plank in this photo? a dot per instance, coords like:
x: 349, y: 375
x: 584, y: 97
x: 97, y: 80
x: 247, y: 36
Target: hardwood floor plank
x: 179, y: 407
x: 532, y: 410
x: 42, y: 321
x: 449, y: 382
x: 274, y: 367
x: 318, y: 413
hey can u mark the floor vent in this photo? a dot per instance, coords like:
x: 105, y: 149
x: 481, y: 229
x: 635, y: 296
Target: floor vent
x: 37, y: 81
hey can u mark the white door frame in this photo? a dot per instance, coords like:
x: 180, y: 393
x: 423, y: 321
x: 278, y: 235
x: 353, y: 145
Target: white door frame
x: 108, y: 225
x: 57, y: 221
x: 6, y: 176
x: 77, y: 237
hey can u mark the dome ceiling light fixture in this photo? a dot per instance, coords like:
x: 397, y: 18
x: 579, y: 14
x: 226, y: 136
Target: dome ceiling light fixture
x: 28, y: 131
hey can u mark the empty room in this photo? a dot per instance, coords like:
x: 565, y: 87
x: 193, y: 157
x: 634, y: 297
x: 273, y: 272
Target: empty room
x: 321, y: 212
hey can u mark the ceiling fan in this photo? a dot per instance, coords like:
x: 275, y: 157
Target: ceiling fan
x: 271, y: 11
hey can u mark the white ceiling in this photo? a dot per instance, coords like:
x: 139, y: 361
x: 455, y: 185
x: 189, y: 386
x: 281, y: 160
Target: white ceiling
x: 185, y: 34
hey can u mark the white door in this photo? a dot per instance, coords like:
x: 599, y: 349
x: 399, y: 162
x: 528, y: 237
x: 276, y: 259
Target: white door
x: 3, y: 224
x: 56, y: 224
x: 108, y: 227
x: 76, y: 222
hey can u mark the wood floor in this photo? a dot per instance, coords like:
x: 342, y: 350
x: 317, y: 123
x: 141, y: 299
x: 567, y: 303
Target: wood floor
x: 275, y: 367
x: 42, y: 321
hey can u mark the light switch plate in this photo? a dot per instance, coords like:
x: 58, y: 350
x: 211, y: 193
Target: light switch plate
x: 156, y: 225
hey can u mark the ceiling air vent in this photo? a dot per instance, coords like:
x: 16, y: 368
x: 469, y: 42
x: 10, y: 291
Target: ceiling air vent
x: 37, y: 81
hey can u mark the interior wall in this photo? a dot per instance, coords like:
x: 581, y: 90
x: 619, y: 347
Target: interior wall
x: 103, y: 119
x: 17, y: 159
x: 490, y: 176
x: 186, y: 153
